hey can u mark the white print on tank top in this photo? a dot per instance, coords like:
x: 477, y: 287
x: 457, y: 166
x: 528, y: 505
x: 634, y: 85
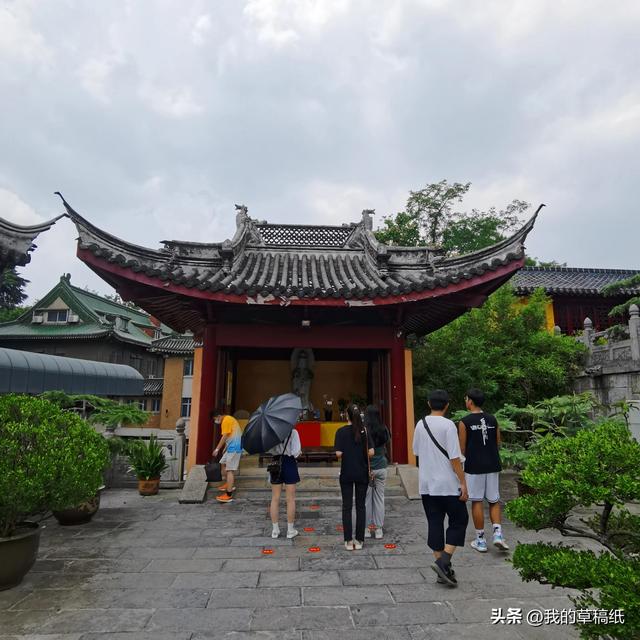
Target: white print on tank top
x: 484, y: 426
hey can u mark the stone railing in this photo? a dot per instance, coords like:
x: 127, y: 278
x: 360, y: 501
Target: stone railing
x: 174, y: 444
x: 605, y: 351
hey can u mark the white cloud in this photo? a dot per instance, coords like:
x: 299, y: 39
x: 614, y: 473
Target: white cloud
x: 16, y: 210
x: 201, y: 29
x: 282, y: 22
x: 19, y: 40
x: 171, y: 102
x: 155, y: 122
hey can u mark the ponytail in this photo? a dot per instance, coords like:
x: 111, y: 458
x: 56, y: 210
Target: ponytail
x: 353, y: 412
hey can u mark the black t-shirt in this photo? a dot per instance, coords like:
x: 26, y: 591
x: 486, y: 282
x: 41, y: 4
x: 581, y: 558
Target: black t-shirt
x: 353, y: 464
x: 481, y: 452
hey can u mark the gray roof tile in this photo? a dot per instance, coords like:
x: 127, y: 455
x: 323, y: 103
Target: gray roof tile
x: 570, y: 280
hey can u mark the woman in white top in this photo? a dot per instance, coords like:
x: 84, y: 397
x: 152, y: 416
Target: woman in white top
x: 289, y: 476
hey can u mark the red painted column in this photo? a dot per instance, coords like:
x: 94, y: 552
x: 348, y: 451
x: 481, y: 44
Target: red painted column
x: 208, y: 394
x: 398, y: 402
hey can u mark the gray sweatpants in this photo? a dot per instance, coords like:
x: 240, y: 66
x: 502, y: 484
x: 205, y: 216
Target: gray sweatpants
x: 375, y: 499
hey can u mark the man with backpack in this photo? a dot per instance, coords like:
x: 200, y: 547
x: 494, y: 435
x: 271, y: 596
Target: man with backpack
x: 442, y: 484
x: 479, y: 441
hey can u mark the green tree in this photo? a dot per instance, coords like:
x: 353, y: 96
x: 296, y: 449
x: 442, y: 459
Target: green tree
x: 11, y: 289
x: 402, y: 230
x: 595, y: 470
x: 620, y: 288
x: 503, y: 348
x: 430, y: 218
x: 8, y: 315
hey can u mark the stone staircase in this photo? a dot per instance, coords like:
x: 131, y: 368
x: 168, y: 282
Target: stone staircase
x: 316, y: 481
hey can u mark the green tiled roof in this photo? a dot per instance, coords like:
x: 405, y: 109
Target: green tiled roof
x: 97, y: 317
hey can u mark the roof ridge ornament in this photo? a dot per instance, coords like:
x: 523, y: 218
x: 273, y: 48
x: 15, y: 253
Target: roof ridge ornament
x: 367, y: 218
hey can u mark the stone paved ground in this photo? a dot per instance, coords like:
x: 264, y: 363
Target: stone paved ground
x: 149, y: 568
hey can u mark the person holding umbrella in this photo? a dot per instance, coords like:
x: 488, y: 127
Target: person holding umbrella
x: 287, y: 451
x: 353, y: 453
x: 270, y: 429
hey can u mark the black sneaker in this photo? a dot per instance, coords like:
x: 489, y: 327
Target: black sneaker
x: 445, y: 573
x: 452, y: 576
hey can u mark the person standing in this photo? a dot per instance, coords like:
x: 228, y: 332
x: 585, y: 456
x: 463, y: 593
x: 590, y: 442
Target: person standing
x: 232, y: 438
x: 442, y: 484
x: 375, y: 494
x: 289, y: 476
x: 479, y: 442
x: 351, y: 450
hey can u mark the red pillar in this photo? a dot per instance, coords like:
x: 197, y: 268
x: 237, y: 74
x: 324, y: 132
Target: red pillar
x: 398, y: 401
x: 208, y: 395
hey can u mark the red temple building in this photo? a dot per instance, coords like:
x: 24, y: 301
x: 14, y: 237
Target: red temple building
x: 334, y: 292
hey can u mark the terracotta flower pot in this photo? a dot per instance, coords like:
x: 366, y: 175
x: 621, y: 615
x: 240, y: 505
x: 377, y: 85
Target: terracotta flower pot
x: 18, y: 554
x: 80, y: 514
x: 148, y: 487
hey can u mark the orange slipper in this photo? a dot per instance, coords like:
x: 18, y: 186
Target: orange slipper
x: 224, y: 498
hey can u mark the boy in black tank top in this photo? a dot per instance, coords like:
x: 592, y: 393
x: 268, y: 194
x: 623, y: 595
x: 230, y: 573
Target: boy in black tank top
x: 479, y: 435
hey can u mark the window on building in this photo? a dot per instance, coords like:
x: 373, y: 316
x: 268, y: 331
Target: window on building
x: 185, y: 408
x: 188, y: 367
x: 57, y: 317
x: 155, y: 405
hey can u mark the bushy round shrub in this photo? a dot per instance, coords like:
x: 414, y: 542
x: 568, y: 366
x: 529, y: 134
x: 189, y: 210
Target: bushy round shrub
x: 50, y: 459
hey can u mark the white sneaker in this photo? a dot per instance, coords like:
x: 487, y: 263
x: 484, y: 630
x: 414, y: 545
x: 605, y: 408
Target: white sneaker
x: 348, y: 545
x: 379, y: 533
x: 479, y: 544
x: 367, y: 533
x: 498, y: 541
x: 357, y: 545
x: 292, y: 533
x: 275, y: 532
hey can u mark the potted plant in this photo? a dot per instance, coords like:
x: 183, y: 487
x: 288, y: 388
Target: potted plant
x: 49, y: 458
x: 75, y: 494
x: 147, y: 461
x: 94, y: 445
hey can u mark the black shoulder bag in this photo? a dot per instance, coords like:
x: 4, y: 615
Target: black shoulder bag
x: 442, y: 450
x: 275, y: 466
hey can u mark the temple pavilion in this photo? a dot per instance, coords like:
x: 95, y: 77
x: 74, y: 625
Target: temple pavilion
x: 272, y: 290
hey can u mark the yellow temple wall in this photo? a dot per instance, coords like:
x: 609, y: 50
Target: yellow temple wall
x: 171, y: 393
x: 261, y: 379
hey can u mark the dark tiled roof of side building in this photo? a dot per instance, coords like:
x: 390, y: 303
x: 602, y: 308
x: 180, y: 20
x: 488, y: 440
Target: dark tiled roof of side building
x: 570, y: 280
x: 175, y: 345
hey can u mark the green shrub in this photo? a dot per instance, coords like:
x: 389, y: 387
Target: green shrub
x: 49, y: 459
x: 595, y: 468
x: 147, y: 459
x: 83, y: 455
x: 102, y: 411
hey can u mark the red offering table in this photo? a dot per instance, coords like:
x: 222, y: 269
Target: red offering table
x: 309, y: 433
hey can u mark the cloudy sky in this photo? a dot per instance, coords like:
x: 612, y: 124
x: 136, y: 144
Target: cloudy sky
x: 154, y: 118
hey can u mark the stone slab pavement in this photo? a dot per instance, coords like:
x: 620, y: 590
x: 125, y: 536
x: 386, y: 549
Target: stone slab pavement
x: 152, y: 569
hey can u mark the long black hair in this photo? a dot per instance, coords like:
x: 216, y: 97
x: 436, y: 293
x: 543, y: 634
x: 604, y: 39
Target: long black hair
x: 373, y: 422
x: 353, y: 413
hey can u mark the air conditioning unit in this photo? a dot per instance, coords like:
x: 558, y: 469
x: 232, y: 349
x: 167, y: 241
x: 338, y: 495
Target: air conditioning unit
x: 73, y: 318
x: 37, y: 319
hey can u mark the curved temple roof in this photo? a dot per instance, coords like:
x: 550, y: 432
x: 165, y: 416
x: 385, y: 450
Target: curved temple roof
x: 26, y: 372
x: 275, y: 264
x: 16, y: 242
